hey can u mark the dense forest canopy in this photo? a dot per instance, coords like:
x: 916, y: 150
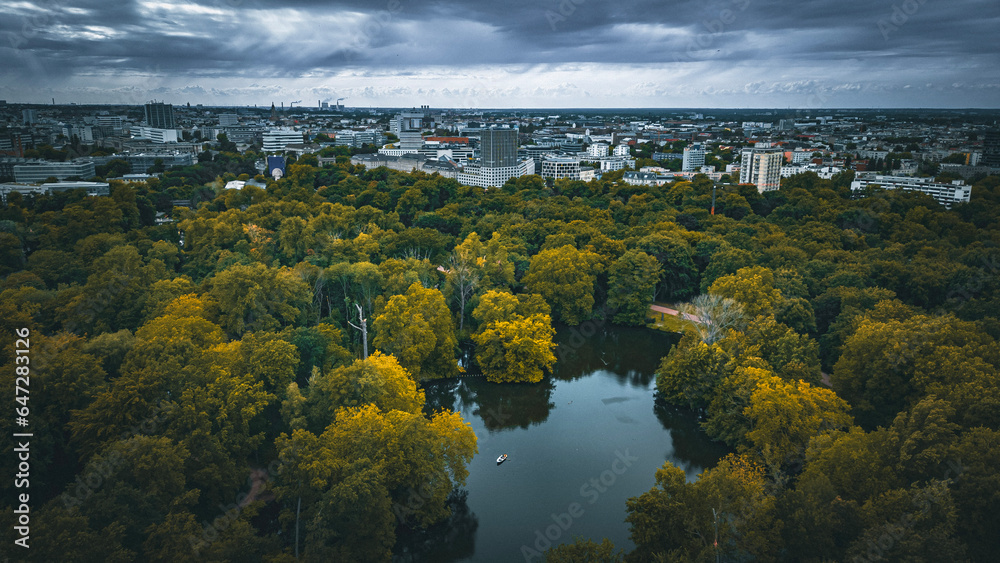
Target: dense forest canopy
x: 243, y: 383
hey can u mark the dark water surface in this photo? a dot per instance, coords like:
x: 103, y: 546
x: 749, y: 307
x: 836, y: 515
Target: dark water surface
x: 579, y: 443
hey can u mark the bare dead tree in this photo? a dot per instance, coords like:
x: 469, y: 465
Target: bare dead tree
x: 363, y: 328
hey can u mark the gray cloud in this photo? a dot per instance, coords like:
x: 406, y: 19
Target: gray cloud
x: 686, y: 52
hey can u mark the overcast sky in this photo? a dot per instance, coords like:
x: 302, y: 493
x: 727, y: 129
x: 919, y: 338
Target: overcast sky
x: 523, y: 53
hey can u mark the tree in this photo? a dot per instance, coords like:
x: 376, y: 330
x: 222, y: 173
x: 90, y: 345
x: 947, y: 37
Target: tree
x: 565, y: 278
x: 726, y: 514
x: 889, y: 366
x: 753, y: 288
x: 256, y: 297
x: 367, y: 467
x: 679, y: 277
x: 514, y: 342
x: 463, y: 276
x: 417, y: 329
x: 690, y: 371
x: 378, y: 380
x: 585, y: 550
x: 713, y: 316
x: 784, y: 416
x: 632, y: 284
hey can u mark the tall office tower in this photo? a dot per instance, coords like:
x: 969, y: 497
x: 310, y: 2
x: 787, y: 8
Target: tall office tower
x: 29, y: 116
x: 991, y: 149
x: 498, y: 148
x: 694, y: 158
x: 160, y: 115
x: 761, y: 166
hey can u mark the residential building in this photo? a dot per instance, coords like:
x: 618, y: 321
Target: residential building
x: 622, y: 150
x: 228, y: 120
x: 761, y: 166
x: 597, y: 150
x: 37, y: 171
x: 160, y: 115
x: 642, y: 179
x: 945, y: 194
x: 824, y: 172
x: 15, y: 143
x: 801, y: 156
x: 694, y: 158
x: 85, y: 133
x: 612, y: 163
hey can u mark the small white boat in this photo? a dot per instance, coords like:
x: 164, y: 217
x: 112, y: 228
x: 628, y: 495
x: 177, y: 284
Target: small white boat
x: 501, y: 459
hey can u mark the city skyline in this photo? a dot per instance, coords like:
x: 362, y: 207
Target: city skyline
x: 570, y: 53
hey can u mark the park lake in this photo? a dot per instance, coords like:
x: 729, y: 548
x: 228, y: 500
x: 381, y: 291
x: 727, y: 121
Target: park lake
x: 580, y: 443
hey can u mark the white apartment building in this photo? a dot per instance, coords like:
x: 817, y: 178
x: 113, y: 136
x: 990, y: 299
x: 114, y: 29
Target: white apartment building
x: 622, y: 150
x: 945, y: 194
x: 597, y: 150
x: 761, y: 166
x: 824, y: 172
x: 801, y: 156
x: 612, y: 163
x: 694, y: 158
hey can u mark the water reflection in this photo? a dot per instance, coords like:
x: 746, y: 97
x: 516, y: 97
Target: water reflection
x: 450, y: 540
x: 631, y: 353
x: 692, y: 449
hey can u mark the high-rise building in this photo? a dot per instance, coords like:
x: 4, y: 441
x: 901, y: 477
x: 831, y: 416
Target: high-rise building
x: 761, y: 166
x: 228, y: 120
x: 498, y: 148
x: 694, y: 158
x: 160, y: 115
x: 29, y: 116
x: 991, y: 149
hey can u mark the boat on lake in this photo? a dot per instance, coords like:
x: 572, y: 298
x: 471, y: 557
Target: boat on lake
x: 501, y: 459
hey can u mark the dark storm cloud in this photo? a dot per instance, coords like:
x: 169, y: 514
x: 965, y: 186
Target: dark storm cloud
x: 46, y: 42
